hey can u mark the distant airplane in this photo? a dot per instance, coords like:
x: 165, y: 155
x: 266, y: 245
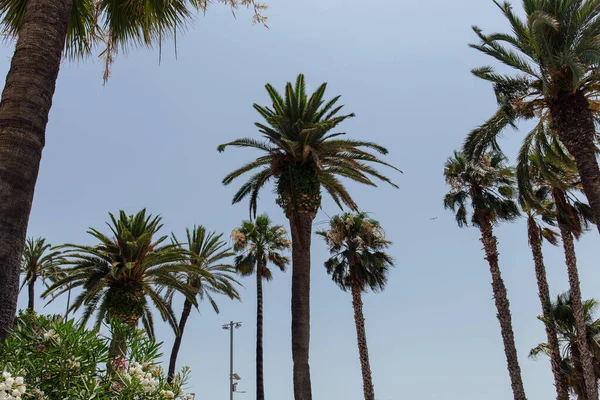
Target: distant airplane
x: 433, y: 218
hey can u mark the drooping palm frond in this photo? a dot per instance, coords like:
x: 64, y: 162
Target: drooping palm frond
x: 298, y: 138
x: 488, y: 183
x: 555, y: 49
x: 357, y: 247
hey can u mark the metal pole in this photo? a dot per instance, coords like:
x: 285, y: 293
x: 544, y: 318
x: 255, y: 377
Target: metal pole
x: 231, y: 360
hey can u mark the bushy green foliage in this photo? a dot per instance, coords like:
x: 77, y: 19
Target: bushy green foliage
x: 59, y: 359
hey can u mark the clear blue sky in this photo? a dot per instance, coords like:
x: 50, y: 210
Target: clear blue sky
x: 148, y: 139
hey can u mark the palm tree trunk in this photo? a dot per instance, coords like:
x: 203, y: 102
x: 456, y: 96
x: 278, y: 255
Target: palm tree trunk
x: 579, y: 380
x: 535, y: 241
x: 260, y: 389
x: 31, y: 293
x: 301, y: 228
x: 24, y: 109
x: 118, y: 344
x: 361, y: 336
x: 573, y: 122
x: 187, y: 308
x: 503, y: 307
x: 574, y: 287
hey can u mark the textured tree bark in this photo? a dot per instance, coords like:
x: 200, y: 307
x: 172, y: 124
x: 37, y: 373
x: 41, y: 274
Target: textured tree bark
x: 503, y: 307
x: 574, y: 287
x: 535, y: 242
x: 31, y: 293
x: 260, y: 388
x: 24, y: 109
x: 361, y: 336
x: 573, y: 122
x: 301, y: 228
x: 187, y: 308
x: 579, y: 382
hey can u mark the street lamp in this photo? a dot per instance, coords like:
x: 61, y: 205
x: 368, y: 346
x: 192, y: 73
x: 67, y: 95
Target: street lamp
x: 229, y: 327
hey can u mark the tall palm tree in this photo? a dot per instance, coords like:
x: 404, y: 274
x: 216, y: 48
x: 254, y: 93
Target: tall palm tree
x: 303, y: 154
x: 122, y: 275
x: 45, y: 30
x: 358, y: 262
x: 259, y: 243
x: 206, y: 253
x: 572, y: 216
x: 563, y: 319
x: 39, y: 261
x: 489, y: 184
x: 554, y: 54
x: 541, y: 219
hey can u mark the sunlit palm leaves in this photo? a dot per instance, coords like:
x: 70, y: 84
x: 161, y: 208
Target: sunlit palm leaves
x: 40, y: 261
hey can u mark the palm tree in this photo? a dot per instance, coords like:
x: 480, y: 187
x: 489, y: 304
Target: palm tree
x: 121, y: 276
x: 303, y: 155
x: 572, y: 216
x: 45, y: 30
x: 39, y: 261
x: 358, y: 262
x: 554, y: 52
x: 259, y: 243
x: 563, y: 319
x: 541, y: 218
x: 489, y: 184
x: 205, y: 252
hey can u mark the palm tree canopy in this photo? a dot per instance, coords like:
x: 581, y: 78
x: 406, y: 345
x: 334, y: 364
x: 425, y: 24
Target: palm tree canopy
x: 120, y: 273
x: 116, y: 24
x: 209, y: 274
x: 554, y: 50
x: 40, y: 260
x: 487, y: 182
x: 357, y: 247
x: 260, y: 240
x: 564, y: 323
x: 303, y: 152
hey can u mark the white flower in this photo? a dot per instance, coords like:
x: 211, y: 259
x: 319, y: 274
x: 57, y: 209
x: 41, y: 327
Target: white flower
x: 3, y: 395
x: 6, y: 375
x: 2, y: 386
x: 169, y: 395
x: 19, y: 380
x: 9, y: 382
x: 16, y: 393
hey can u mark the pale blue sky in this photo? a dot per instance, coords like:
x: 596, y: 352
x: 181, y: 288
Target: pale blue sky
x: 148, y: 139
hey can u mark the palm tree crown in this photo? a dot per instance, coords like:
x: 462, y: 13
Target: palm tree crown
x: 258, y: 243
x: 208, y: 273
x: 356, y: 244
x: 40, y: 260
x: 120, y: 274
x: 303, y: 154
x: 489, y: 183
x: 554, y: 51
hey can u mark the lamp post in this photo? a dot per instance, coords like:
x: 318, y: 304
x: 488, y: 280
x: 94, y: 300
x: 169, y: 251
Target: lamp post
x: 229, y: 327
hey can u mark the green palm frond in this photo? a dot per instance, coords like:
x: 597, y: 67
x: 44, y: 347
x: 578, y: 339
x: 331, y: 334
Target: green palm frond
x: 357, y: 247
x: 259, y: 243
x: 300, y: 144
x: 489, y: 185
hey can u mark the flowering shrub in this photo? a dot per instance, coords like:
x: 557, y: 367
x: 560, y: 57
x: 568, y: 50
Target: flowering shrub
x: 48, y: 358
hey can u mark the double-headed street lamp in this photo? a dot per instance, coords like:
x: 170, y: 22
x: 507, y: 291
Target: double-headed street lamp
x: 232, y: 386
